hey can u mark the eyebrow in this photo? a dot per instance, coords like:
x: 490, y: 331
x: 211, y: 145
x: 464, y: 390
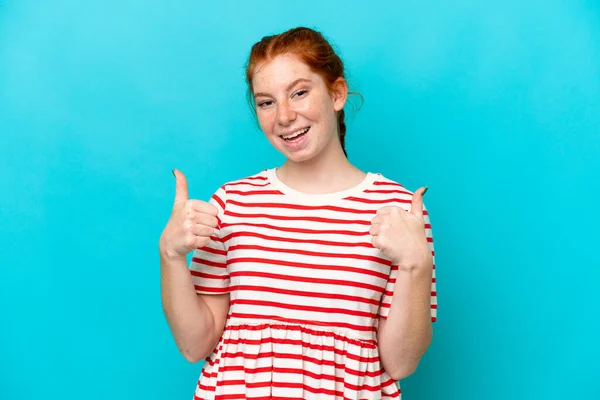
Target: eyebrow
x: 291, y: 85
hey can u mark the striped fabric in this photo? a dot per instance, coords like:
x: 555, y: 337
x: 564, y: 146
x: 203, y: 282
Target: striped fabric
x: 307, y: 289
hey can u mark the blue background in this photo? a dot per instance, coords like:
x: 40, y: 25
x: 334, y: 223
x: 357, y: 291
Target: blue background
x: 495, y: 107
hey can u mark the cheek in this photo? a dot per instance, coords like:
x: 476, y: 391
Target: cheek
x: 321, y: 109
x: 265, y: 120
x: 315, y: 108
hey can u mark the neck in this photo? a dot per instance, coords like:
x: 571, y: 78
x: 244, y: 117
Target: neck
x: 330, y: 171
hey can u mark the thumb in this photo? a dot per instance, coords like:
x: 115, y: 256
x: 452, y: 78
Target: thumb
x: 416, y: 206
x: 181, y: 187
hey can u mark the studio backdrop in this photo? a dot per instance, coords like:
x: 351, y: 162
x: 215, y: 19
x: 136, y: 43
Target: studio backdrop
x: 493, y: 105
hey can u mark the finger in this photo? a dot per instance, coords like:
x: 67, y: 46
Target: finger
x: 375, y: 229
x: 376, y: 242
x: 195, y: 218
x: 181, y: 187
x: 378, y: 219
x: 205, y: 219
x: 203, y: 207
x: 203, y: 230
x: 201, y: 241
x: 390, y: 210
x: 385, y: 210
x: 416, y: 206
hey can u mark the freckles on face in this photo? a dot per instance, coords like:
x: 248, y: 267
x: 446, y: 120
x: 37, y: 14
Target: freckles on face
x: 288, y: 95
x: 293, y: 101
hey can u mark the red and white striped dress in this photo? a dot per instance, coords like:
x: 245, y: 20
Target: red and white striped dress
x: 307, y: 288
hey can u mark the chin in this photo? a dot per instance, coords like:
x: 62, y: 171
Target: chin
x: 300, y: 156
x: 296, y: 158
x: 311, y: 149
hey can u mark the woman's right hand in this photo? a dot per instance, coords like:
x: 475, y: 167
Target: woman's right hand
x: 191, y: 224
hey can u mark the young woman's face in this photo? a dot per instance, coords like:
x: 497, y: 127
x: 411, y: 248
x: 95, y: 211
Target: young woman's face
x: 295, y: 109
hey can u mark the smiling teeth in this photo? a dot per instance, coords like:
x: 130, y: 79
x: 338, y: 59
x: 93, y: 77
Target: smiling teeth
x: 293, y: 135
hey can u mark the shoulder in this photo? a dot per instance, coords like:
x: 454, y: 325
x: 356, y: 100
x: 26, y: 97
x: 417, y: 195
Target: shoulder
x: 384, y: 183
x: 244, y: 183
x: 391, y: 191
x: 229, y: 190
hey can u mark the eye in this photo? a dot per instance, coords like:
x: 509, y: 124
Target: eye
x: 264, y: 104
x: 301, y: 92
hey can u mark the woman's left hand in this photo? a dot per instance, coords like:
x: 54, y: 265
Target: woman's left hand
x: 400, y: 235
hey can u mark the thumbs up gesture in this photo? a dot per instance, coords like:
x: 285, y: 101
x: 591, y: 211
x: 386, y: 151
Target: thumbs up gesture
x: 191, y: 224
x: 400, y: 235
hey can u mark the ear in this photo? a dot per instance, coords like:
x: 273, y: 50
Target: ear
x: 339, y: 93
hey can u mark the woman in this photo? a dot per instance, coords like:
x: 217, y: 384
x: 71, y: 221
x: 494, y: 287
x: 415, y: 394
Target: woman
x: 311, y: 280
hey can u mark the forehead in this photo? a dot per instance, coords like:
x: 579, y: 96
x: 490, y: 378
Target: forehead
x: 278, y: 72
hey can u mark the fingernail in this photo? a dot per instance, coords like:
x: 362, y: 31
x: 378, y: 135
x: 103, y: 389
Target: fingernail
x: 425, y: 191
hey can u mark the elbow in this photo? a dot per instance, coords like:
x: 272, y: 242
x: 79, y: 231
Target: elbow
x: 193, y: 355
x: 403, y: 371
x: 194, y: 350
x: 403, y: 365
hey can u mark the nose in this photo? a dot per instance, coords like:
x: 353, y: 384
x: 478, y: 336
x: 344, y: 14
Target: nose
x: 285, y: 114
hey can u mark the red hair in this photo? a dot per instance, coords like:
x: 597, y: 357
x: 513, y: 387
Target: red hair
x: 311, y: 48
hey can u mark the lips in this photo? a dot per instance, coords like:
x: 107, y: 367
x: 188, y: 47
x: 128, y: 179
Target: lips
x: 296, y: 140
x: 290, y: 137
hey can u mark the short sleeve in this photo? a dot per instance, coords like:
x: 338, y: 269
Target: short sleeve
x: 209, y: 263
x: 386, y: 300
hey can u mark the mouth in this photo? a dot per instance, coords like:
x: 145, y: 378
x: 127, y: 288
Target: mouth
x: 296, y: 135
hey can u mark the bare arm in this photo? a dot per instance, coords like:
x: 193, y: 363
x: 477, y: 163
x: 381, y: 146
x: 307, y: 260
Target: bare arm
x: 196, y: 320
x: 406, y: 238
x: 406, y: 334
